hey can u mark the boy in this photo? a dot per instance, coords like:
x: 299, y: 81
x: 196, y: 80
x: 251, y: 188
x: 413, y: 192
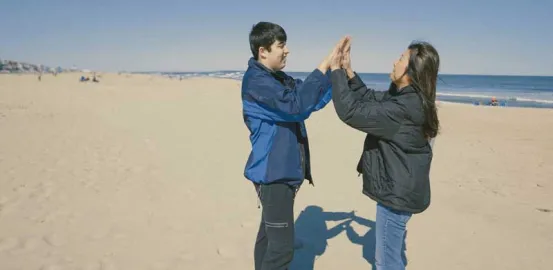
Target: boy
x: 274, y: 109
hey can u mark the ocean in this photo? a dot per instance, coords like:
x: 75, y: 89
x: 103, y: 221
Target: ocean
x: 510, y: 91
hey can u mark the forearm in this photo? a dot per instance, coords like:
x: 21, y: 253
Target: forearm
x: 356, y: 84
x: 341, y: 92
x: 350, y: 73
x: 380, y: 119
x: 313, y: 90
x: 323, y: 67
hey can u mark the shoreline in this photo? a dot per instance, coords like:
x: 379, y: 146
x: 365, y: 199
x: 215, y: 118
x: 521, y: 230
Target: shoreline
x: 469, y: 100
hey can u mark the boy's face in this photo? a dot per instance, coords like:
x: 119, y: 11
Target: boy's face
x: 276, y: 58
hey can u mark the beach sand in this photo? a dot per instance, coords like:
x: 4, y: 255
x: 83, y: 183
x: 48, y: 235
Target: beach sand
x: 144, y: 172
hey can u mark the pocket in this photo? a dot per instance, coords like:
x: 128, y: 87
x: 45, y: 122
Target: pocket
x: 263, y: 192
x: 276, y: 224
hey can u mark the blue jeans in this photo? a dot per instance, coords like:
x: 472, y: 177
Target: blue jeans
x: 390, y: 238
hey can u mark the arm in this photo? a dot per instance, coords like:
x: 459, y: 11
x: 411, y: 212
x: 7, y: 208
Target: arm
x: 335, y: 216
x: 357, y: 86
x: 325, y: 98
x: 279, y: 103
x: 378, y: 118
x: 365, y: 222
x: 332, y: 232
x: 355, y: 82
x: 353, y: 236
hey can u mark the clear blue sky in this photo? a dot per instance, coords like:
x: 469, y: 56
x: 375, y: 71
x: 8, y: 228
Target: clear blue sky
x: 472, y: 37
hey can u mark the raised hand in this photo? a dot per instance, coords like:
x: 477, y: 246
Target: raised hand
x: 346, y: 59
x: 325, y: 64
x: 337, y: 53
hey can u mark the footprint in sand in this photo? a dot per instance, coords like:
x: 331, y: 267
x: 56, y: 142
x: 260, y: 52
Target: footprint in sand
x: 52, y: 267
x: 100, y: 234
x: 107, y: 265
x: 7, y: 206
x: 159, y: 266
x: 176, y: 263
x: 190, y: 194
x: 249, y: 224
x: 226, y: 252
x: 9, y: 244
x: 90, y: 266
x: 53, y: 215
x: 3, y: 200
x: 54, y: 240
x: 27, y: 246
x: 104, y: 264
x: 187, y: 257
x: 42, y: 192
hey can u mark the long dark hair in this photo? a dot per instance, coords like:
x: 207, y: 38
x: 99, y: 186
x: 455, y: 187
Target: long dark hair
x: 422, y: 69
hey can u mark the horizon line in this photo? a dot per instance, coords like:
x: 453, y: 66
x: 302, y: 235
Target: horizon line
x: 361, y: 72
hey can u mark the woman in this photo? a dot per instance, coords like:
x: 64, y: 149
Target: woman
x: 399, y: 124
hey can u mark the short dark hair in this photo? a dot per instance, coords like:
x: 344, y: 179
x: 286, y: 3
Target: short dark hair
x: 264, y: 34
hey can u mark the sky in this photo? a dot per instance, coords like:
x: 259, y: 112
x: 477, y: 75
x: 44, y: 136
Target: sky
x: 472, y: 37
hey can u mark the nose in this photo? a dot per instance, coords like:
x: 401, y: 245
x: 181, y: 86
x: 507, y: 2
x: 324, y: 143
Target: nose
x: 286, y: 51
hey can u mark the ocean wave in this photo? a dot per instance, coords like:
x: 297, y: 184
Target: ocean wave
x: 235, y: 75
x: 496, y: 95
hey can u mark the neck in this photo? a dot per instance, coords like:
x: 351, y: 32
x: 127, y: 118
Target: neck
x: 401, y: 85
x: 265, y: 64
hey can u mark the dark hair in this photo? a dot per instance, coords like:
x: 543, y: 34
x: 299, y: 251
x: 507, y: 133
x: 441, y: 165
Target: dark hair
x: 422, y: 69
x: 264, y: 34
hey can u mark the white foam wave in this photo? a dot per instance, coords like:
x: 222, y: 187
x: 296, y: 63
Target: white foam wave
x: 498, y: 96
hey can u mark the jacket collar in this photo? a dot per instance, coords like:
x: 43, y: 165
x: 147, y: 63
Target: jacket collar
x: 398, y: 92
x: 279, y: 75
x: 255, y: 64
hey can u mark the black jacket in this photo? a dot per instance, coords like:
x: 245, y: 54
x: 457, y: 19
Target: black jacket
x: 396, y: 156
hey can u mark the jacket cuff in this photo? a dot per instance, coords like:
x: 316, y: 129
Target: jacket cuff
x: 356, y: 79
x: 322, y: 78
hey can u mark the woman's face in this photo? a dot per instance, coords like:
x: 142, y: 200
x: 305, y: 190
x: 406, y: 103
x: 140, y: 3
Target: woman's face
x: 400, y: 66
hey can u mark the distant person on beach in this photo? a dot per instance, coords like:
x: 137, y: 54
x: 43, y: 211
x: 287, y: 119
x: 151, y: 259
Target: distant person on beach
x: 399, y: 124
x: 275, y: 107
x: 493, y: 102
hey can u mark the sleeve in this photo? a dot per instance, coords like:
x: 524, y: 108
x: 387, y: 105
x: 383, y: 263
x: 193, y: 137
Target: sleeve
x: 290, y: 105
x: 378, y: 118
x: 360, y: 89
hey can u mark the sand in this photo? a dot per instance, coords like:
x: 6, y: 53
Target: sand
x: 144, y: 172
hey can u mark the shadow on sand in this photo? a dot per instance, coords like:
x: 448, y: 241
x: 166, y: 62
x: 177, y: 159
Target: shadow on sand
x: 312, y: 232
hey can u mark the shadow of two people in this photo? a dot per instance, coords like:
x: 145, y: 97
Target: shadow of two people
x: 312, y: 232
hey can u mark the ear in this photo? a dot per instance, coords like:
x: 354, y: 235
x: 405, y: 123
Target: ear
x: 262, y: 52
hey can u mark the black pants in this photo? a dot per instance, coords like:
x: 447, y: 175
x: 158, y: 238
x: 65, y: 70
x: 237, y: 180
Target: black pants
x: 274, y: 246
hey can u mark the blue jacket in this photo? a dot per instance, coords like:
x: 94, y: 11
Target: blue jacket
x: 274, y: 109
